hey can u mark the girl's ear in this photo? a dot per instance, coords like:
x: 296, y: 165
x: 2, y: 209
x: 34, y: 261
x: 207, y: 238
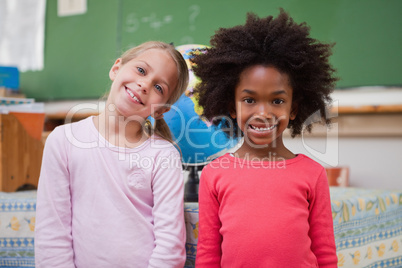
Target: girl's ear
x: 115, y: 69
x: 159, y: 113
x: 233, y: 114
x: 232, y: 110
x: 293, y: 112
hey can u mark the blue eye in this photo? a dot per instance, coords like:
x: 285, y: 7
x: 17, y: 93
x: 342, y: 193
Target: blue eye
x: 159, y: 88
x: 142, y: 71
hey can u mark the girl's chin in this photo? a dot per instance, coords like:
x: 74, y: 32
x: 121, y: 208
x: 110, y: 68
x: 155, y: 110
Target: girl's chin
x: 259, y: 138
x: 258, y: 143
x: 261, y: 142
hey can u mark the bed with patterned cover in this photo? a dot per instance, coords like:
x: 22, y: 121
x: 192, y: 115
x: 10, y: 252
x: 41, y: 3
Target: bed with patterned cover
x: 367, y: 227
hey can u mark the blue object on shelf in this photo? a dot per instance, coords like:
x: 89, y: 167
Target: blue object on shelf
x: 9, y: 77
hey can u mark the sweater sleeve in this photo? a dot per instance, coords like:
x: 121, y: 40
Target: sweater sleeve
x: 53, y: 239
x: 168, y: 212
x: 321, y: 224
x: 209, y: 240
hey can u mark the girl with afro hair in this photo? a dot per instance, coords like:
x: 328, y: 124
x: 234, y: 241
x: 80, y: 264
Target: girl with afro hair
x: 263, y: 205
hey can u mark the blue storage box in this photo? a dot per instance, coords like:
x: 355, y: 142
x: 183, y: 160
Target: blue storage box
x: 9, y: 77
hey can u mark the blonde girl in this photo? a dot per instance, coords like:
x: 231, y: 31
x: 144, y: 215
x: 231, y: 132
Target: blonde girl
x: 111, y: 188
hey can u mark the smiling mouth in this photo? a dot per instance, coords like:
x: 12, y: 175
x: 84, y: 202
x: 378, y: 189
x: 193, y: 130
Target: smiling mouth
x: 262, y: 129
x: 133, y: 96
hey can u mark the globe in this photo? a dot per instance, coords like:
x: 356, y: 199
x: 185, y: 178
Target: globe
x: 198, y: 140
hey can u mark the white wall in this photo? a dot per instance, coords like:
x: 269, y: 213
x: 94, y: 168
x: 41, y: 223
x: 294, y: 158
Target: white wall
x: 373, y: 162
x: 370, y: 144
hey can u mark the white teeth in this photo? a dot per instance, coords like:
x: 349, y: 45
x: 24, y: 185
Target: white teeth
x: 263, y: 128
x: 132, y: 95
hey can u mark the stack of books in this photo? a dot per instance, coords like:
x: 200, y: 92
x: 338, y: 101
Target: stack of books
x: 10, y: 82
x: 29, y: 113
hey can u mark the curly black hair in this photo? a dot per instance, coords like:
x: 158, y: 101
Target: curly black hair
x: 277, y: 42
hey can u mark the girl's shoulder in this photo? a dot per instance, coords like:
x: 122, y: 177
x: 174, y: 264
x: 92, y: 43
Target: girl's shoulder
x: 223, y: 161
x: 306, y: 160
x: 301, y: 161
x: 309, y: 169
x: 82, y: 124
x: 71, y: 131
x: 160, y: 146
x: 224, y: 157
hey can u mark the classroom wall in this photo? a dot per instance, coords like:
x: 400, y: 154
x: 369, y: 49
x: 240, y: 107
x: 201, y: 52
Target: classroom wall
x: 374, y: 162
x: 79, y: 50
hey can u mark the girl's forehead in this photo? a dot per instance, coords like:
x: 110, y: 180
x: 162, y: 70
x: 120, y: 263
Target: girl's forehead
x: 257, y: 73
x: 154, y: 54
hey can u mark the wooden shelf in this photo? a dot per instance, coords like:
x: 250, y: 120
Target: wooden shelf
x: 20, y: 154
x: 367, y: 109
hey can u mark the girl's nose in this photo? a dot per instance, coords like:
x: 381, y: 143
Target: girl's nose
x: 144, y: 85
x: 264, y: 110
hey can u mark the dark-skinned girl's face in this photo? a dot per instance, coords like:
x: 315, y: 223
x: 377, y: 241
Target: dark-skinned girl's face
x: 263, y: 105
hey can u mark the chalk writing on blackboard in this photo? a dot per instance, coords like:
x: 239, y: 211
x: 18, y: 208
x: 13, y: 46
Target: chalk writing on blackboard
x: 194, y: 12
x: 133, y: 23
x: 186, y: 40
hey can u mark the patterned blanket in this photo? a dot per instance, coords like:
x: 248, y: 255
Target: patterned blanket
x: 367, y: 227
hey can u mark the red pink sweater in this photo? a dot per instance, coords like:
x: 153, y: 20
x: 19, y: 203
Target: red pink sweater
x: 265, y: 214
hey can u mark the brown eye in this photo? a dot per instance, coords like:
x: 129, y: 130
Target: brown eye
x: 249, y: 100
x: 278, y: 101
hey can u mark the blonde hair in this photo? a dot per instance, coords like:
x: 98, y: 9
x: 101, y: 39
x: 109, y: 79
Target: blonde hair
x: 160, y: 127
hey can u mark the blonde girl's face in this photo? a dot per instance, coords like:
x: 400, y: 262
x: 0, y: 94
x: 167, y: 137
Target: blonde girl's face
x: 143, y: 85
x: 263, y: 99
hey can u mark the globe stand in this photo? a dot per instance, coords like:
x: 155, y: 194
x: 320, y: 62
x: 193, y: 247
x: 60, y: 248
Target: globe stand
x: 191, y: 186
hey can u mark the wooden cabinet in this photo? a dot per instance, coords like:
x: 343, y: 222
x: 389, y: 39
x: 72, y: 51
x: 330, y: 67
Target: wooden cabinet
x: 21, y: 150
x: 338, y: 176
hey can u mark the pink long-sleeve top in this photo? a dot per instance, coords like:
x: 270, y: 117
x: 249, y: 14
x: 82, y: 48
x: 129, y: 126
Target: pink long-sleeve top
x: 104, y: 206
x: 265, y: 214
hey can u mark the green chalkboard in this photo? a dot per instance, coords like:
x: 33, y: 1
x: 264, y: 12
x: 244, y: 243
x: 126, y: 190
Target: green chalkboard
x: 79, y: 50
